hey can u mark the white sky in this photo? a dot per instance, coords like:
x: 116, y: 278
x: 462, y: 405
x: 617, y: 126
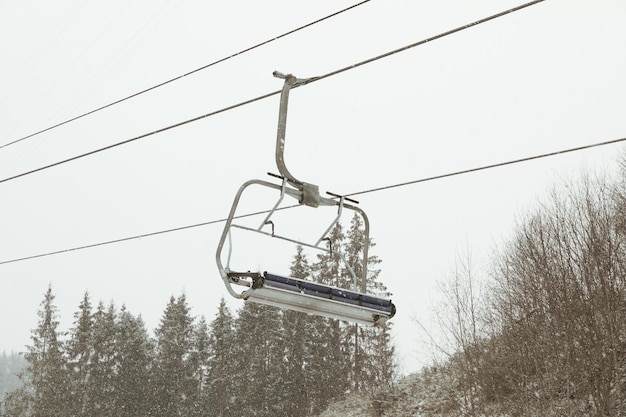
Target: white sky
x: 546, y: 78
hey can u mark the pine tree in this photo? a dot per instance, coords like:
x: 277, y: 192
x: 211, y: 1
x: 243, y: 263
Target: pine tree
x: 329, y: 362
x: 362, y: 357
x: 294, y: 380
x: 133, y: 359
x: 199, y: 359
x: 220, y: 382
x: 372, y: 351
x: 100, y: 390
x: 17, y: 403
x: 383, y: 353
x: 80, y: 357
x: 47, y: 366
x: 259, y: 353
x: 172, y: 374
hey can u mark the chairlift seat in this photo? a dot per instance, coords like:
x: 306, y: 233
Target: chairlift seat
x: 322, y: 300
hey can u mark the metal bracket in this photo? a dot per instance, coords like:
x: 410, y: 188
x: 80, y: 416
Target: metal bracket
x: 310, y: 192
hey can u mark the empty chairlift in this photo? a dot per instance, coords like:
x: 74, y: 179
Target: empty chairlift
x: 293, y: 293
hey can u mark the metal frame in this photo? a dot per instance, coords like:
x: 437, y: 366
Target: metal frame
x: 292, y: 293
x: 230, y: 277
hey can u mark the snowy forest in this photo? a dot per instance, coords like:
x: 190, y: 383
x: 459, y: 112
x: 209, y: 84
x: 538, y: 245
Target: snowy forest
x: 261, y: 361
x: 539, y: 331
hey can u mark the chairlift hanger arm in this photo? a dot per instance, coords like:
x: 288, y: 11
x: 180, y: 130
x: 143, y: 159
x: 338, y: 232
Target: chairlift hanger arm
x: 290, y: 81
x: 310, y: 195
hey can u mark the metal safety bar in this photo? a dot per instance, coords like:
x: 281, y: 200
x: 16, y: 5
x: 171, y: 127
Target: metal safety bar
x: 297, y: 194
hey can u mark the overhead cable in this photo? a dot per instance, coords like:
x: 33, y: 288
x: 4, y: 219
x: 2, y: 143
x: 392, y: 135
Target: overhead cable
x: 427, y: 40
x: 133, y: 139
x: 183, y: 75
x: 308, y: 81
x: 126, y: 239
x: 485, y: 167
x: 372, y: 190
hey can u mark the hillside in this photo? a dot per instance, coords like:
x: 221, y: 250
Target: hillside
x: 542, y: 333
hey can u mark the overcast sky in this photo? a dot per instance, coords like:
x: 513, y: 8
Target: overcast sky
x: 545, y: 78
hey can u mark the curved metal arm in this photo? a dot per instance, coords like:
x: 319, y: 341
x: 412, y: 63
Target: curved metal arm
x: 226, y: 232
x: 297, y: 194
x: 290, y: 82
x: 311, y: 194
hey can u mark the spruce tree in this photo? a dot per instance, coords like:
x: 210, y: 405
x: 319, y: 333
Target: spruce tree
x: 220, y: 382
x: 172, y: 373
x: 329, y: 362
x: 80, y: 357
x: 17, y: 403
x: 259, y: 353
x: 134, y: 356
x: 294, y: 378
x: 47, y: 365
x: 362, y: 357
x: 372, y: 352
x: 101, y: 390
x: 199, y: 358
